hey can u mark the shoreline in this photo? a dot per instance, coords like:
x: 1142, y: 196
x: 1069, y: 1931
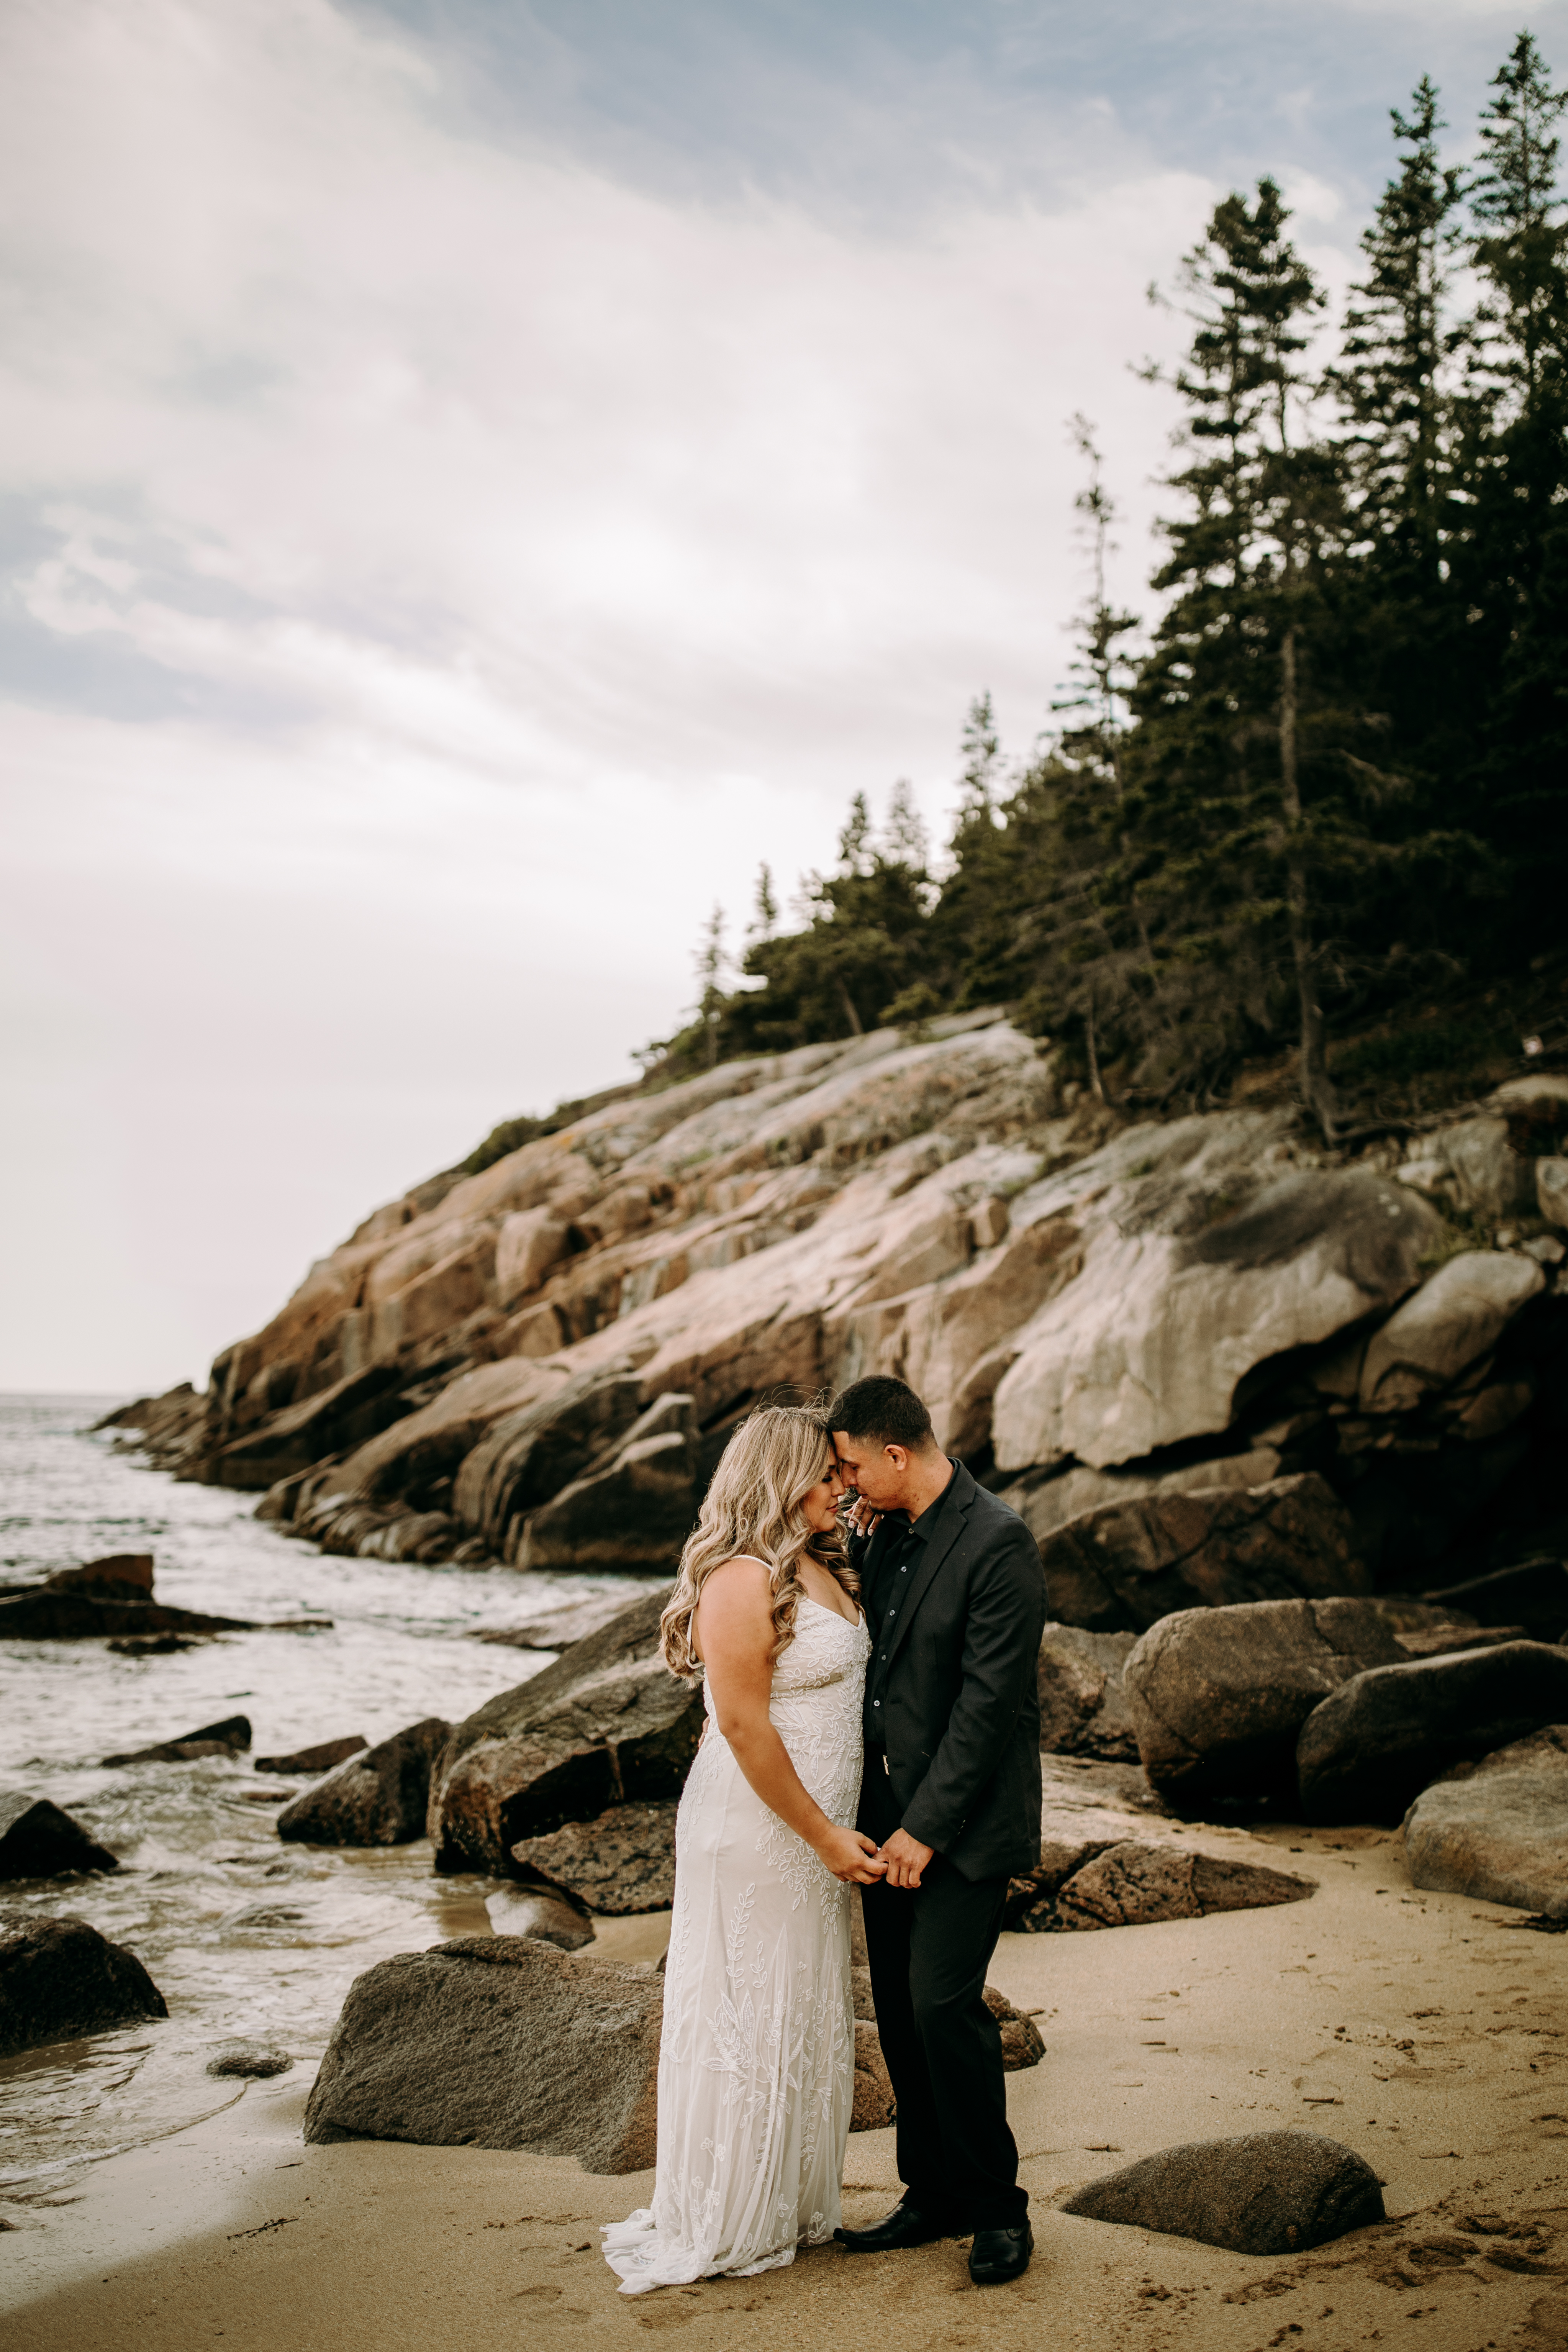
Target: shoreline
x: 1422, y: 2030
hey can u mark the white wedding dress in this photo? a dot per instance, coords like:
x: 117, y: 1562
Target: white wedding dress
x: 756, y: 2066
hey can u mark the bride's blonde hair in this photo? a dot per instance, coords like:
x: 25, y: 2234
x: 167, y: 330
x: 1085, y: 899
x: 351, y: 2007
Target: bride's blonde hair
x: 770, y: 1465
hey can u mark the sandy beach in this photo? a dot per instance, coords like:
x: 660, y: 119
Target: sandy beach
x: 1423, y: 2030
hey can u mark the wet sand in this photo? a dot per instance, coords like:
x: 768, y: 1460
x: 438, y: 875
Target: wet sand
x: 1426, y: 2031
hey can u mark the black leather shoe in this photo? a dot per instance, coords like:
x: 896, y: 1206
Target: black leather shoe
x: 998, y: 2255
x: 906, y: 2225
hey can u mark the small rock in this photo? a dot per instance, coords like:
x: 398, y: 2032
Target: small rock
x: 1370, y: 1750
x: 874, y: 2108
x: 622, y: 1862
x: 1500, y: 1835
x: 539, y: 1911
x: 127, y: 1573
x: 497, y: 2042
x: 1021, y: 2042
x: 38, y: 1841
x: 59, y: 1978
x: 154, y: 1645
x: 1265, y: 2193
x: 1218, y: 1695
x: 257, y: 2059
x: 1552, y: 1190
x: 1133, y: 1884
x: 229, y: 1738
x: 1022, y: 2045
x: 377, y: 1798
x: 320, y: 1759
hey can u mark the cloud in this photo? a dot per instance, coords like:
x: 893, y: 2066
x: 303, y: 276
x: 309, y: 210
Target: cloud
x: 479, y: 481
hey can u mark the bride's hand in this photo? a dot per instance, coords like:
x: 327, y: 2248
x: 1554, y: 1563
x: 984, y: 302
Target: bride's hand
x: 852, y: 1857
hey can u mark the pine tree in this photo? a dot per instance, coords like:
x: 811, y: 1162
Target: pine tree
x: 711, y: 960
x: 1514, y: 567
x: 1221, y: 697
x: 764, y: 907
x: 1399, y: 340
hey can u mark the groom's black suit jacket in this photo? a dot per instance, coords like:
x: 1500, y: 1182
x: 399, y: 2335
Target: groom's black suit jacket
x: 957, y: 1676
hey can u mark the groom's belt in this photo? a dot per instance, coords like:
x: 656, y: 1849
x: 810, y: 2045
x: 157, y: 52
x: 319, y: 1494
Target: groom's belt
x: 875, y: 1750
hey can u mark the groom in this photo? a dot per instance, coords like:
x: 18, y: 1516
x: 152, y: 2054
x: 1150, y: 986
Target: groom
x: 955, y: 1600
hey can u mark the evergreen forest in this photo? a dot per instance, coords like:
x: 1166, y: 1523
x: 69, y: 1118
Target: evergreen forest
x: 1312, y: 818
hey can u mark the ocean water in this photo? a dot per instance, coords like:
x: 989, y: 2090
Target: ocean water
x: 242, y: 1934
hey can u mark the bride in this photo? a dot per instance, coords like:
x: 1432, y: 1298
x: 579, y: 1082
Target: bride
x: 757, y: 2064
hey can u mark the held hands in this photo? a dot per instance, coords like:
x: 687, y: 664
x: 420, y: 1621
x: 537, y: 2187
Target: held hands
x: 852, y: 1857
x: 904, y: 1858
x: 860, y: 1520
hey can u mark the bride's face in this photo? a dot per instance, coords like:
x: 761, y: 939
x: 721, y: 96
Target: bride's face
x: 819, y: 1503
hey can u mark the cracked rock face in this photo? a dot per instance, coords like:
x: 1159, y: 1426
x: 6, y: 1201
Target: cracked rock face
x: 1123, y: 1566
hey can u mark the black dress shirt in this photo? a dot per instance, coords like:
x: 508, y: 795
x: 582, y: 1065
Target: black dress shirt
x: 900, y: 1556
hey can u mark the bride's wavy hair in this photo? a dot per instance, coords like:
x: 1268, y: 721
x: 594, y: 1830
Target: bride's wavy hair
x: 754, y: 1506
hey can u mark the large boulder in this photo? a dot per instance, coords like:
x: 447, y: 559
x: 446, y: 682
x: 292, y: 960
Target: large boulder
x: 1500, y: 1834
x: 60, y: 1979
x: 624, y: 1862
x: 531, y: 1455
x: 1369, y: 1749
x: 1182, y: 1293
x: 378, y: 1797
x: 607, y: 1724
x: 1263, y: 2193
x: 1083, y: 1708
x: 497, y: 2042
x: 229, y: 1738
x: 38, y: 1841
x: 634, y: 1515
x: 1453, y: 1320
x: 1218, y: 1695
x: 1125, y: 1566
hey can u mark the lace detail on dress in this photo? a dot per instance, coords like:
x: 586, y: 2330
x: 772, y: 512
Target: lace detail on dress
x: 756, y: 2064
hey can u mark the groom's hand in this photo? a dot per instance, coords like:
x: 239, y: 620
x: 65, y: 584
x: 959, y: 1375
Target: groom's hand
x: 906, y: 1858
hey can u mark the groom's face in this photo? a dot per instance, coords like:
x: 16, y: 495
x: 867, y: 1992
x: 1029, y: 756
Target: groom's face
x: 878, y: 1473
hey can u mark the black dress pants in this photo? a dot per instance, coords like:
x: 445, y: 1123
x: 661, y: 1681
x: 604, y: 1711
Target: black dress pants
x: 929, y: 1949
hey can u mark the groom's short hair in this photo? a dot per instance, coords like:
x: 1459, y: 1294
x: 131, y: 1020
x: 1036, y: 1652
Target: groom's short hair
x: 885, y: 1410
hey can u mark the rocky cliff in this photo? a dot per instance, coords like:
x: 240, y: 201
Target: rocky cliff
x: 541, y: 1363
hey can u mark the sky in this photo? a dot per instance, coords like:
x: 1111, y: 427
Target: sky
x: 477, y: 478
